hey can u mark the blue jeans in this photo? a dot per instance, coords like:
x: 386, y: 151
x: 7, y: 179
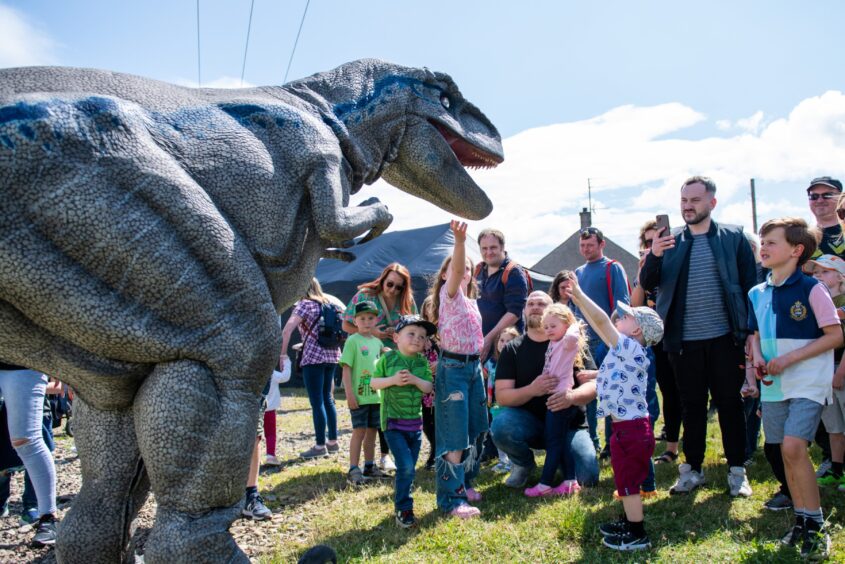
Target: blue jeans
x: 598, y: 350
x: 516, y: 431
x: 23, y: 392
x: 405, y: 446
x: 319, y: 383
x: 752, y: 425
x: 460, y: 424
x: 557, y: 453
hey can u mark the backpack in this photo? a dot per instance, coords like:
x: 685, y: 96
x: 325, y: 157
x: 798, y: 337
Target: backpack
x: 511, y: 265
x: 329, y: 327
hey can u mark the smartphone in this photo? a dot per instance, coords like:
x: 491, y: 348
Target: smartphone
x: 662, y: 223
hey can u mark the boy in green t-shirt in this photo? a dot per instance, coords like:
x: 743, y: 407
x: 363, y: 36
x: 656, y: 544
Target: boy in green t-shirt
x: 360, y: 354
x: 404, y: 376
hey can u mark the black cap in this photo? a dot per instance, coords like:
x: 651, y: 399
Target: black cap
x: 365, y: 307
x: 406, y: 320
x: 825, y: 181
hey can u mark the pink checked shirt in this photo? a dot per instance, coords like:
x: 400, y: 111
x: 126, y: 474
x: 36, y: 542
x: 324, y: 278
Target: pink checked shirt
x: 460, y: 324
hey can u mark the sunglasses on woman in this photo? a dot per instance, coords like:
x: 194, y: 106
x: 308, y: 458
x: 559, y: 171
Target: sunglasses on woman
x: 392, y: 285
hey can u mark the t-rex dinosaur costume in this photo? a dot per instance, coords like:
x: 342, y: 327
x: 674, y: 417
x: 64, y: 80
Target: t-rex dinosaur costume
x: 149, y: 236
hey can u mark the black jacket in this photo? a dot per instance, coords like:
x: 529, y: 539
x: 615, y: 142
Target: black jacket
x: 668, y: 275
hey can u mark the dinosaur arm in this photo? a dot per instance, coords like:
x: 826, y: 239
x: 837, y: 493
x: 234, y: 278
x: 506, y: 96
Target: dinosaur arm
x: 328, y: 189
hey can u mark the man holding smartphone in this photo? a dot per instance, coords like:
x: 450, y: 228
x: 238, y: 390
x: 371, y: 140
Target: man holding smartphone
x: 704, y: 272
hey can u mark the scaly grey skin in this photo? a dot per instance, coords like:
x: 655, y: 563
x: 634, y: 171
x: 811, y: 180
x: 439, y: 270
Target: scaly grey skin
x: 149, y: 236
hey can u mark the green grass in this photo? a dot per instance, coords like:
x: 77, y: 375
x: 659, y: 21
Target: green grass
x: 316, y: 506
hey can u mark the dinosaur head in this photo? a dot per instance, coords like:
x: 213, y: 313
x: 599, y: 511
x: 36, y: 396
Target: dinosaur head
x: 444, y: 135
x: 424, y: 132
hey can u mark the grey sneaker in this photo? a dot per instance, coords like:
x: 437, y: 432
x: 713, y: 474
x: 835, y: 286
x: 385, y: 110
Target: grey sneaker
x: 738, y: 482
x: 779, y: 502
x: 823, y: 468
x: 355, y: 477
x: 255, y: 509
x: 375, y: 472
x: 519, y: 475
x: 314, y: 452
x: 332, y: 448
x: 688, y: 480
x: 45, y: 533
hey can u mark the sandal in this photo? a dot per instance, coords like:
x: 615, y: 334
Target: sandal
x: 666, y: 458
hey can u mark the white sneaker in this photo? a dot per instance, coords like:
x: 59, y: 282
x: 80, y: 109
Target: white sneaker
x: 738, y: 482
x: 823, y: 468
x: 688, y: 480
x: 386, y: 463
x: 271, y: 460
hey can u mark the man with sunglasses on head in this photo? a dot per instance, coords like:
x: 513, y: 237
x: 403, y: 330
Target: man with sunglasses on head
x: 604, y: 281
x: 704, y: 272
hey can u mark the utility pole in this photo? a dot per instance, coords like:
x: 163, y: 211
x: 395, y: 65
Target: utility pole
x: 753, y: 207
x: 589, y: 197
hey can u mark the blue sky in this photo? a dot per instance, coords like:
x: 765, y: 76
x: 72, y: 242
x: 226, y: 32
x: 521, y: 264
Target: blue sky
x: 634, y: 95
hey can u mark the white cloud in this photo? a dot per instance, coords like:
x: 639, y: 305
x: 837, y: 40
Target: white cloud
x: 636, y: 168
x: 219, y: 82
x: 21, y: 42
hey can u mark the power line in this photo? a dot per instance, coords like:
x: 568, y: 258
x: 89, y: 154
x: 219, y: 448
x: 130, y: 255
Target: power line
x: 246, y: 47
x: 199, y: 75
x: 296, y: 41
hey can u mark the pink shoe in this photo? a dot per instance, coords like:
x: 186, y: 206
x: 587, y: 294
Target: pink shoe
x: 472, y: 495
x: 465, y: 511
x: 567, y: 487
x: 540, y: 490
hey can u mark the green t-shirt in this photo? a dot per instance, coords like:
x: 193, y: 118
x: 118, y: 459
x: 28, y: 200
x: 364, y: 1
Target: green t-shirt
x: 401, y: 402
x: 360, y: 354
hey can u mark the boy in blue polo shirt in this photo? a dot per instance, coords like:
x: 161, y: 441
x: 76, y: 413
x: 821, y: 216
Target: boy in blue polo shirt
x: 795, y: 331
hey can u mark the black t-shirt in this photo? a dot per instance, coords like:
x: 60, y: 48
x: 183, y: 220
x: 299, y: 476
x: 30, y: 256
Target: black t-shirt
x: 522, y: 360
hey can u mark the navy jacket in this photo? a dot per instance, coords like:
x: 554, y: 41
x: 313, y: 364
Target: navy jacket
x: 494, y: 300
x: 668, y: 275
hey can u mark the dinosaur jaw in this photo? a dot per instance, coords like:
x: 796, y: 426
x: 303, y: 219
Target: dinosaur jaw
x: 467, y: 154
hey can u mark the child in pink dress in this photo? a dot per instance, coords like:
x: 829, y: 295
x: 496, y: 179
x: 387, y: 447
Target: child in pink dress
x: 565, y: 341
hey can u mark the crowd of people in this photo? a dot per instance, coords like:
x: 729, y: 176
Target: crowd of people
x: 490, y: 368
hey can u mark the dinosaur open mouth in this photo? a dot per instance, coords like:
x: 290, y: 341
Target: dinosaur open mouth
x: 468, y: 155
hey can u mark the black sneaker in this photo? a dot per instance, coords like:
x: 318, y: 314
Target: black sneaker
x: 604, y: 454
x: 45, y: 533
x: 779, y: 502
x: 627, y: 541
x: 614, y: 528
x: 406, y: 519
x: 255, y: 509
x: 794, y: 535
x: 375, y: 472
x: 816, y: 542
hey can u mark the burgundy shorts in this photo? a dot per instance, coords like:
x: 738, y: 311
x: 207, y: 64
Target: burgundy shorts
x: 631, y: 448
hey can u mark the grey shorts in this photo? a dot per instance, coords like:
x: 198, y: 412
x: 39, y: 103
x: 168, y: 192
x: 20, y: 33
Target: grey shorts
x: 797, y: 417
x: 834, y: 414
x: 366, y: 416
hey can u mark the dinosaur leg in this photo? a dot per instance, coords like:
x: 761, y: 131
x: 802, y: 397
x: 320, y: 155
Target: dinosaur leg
x: 196, y: 434
x: 98, y: 526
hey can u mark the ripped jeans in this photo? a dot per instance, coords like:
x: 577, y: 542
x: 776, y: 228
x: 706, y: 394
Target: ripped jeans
x: 460, y: 414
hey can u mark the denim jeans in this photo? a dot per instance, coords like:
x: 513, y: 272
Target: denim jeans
x: 752, y: 425
x: 516, y: 431
x: 557, y: 453
x: 461, y: 424
x: 598, y: 350
x: 23, y: 392
x: 405, y: 446
x: 319, y: 383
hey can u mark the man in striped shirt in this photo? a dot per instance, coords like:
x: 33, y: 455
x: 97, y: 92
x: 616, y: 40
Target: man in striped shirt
x: 704, y: 272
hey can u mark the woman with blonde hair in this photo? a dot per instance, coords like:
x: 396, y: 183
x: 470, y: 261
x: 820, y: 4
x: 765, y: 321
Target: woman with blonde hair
x: 318, y: 368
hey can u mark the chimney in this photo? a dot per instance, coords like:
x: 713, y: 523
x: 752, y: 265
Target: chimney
x: 586, y: 218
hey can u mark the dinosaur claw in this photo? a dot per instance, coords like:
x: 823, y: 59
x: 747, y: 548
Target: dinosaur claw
x: 337, y: 254
x: 376, y: 231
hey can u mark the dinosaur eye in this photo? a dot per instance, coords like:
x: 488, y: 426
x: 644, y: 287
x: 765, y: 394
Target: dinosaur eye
x: 444, y: 99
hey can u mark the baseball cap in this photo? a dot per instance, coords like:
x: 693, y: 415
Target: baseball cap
x: 830, y: 262
x: 365, y: 307
x: 406, y: 320
x: 826, y: 181
x: 647, y: 319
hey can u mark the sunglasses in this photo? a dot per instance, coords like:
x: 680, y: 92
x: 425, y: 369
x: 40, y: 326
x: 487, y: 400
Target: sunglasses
x: 823, y: 196
x: 840, y: 213
x: 648, y: 243
x: 588, y: 232
x: 392, y: 285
